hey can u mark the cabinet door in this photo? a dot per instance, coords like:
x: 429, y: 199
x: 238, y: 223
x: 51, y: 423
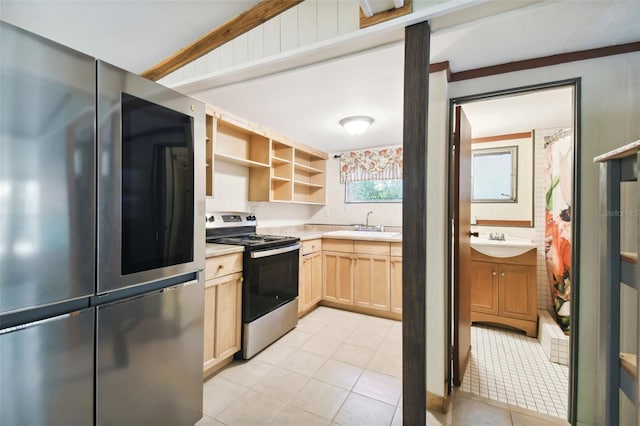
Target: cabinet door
x: 338, y: 277
x: 209, y: 323
x: 228, y: 315
x: 303, y: 278
x: 315, y: 260
x: 306, y: 277
x: 372, y: 282
x: 517, y: 292
x: 484, y: 287
x: 396, y: 284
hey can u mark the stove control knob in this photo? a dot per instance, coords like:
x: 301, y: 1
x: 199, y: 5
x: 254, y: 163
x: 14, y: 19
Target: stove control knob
x: 211, y: 219
x: 251, y: 217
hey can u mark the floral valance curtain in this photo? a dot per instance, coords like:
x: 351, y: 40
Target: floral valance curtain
x: 371, y: 164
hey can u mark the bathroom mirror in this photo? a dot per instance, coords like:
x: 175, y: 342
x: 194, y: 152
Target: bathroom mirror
x: 494, y: 175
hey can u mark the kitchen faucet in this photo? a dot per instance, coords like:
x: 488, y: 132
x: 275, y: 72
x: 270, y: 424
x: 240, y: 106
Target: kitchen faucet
x: 367, y: 221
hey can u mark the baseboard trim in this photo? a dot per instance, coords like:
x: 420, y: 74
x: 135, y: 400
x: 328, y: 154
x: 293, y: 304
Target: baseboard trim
x: 436, y: 403
x: 361, y: 310
x: 210, y: 371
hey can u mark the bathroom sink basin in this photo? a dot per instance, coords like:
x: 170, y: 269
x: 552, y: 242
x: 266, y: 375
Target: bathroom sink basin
x: 363, y: 235
x: 511, y: 247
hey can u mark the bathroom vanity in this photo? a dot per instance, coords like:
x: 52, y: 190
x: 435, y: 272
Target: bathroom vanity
x: 504, y: 290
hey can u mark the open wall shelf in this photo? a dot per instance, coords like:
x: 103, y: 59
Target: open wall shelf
x: 280, y: 170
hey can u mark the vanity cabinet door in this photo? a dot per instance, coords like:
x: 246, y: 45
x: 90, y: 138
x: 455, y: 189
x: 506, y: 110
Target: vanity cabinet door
x: 517, y: 292
x: 484, y: 287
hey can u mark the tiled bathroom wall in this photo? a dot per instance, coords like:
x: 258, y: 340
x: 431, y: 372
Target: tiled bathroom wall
x: 544, y: 297
x: 554, y: 342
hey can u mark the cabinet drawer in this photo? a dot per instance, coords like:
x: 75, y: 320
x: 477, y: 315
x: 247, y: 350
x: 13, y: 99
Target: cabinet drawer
x: 222, y: 265
x: 396, y: 249
x: 311, y: 246
x: 371, y: 247
x: 344, y: 246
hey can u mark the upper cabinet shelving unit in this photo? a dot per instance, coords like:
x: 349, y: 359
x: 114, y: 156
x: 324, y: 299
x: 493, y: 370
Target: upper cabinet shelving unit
x: 280, y: 170
x: 309, y: 176
x: 210, y: 131
x: 619, y: 192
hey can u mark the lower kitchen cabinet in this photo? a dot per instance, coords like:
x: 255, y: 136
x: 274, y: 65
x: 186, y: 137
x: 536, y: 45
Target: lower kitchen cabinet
x: 338, y: 277
x: 222, y: 314
x: 372, y: 286
x: 310, y: 289
x: 396, y: 284
x: 363, y: 276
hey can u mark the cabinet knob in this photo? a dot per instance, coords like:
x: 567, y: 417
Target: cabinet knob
x: 494, y: 273
x: 502, y: 274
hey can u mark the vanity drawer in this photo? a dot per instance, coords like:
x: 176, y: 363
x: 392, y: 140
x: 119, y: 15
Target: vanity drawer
x: 222, y: 265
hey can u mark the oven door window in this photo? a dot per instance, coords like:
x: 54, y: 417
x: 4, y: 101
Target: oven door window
x: 269, y: 283
x: 157, y: 186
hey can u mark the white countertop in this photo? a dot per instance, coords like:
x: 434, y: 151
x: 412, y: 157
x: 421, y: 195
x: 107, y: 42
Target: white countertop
x: 391, y: 237
x: 212, y: 250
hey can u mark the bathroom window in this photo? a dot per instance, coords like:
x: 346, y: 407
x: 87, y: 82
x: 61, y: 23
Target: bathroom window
x: 374, y: 191
x: 494, y: 175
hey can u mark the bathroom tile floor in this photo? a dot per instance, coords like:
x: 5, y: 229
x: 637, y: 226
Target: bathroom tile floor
x: 336, y: 368
x: 509, y: 367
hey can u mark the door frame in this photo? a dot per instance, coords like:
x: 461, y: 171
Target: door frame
x: 575, y: 230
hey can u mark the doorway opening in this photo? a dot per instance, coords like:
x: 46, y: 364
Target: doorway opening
x: 513, y: 264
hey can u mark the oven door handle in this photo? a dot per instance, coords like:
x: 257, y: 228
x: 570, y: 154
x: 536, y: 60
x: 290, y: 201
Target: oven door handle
x: 279, y: 250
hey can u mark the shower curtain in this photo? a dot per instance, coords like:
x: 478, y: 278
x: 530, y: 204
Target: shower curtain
x: 558, y: 175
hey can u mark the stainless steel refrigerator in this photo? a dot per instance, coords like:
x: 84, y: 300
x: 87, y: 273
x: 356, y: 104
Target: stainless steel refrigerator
x: 101, y: 255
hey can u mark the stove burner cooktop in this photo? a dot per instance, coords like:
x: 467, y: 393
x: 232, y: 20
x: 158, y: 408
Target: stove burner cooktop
x: 255, y: 240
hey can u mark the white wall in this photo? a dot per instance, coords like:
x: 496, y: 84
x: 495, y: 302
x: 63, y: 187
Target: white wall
x: 437, y: 231
x: 336, y: 211
x: 231, y: 192
x: 609, y: 119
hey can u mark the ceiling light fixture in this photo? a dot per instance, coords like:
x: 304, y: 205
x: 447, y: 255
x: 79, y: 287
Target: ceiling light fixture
x: 356, y: 125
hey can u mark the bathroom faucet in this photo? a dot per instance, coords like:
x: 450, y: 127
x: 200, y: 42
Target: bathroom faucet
x: 367, y: 221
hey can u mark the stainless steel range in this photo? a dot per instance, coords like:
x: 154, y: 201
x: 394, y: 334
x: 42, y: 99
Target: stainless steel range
x: 270, y: 273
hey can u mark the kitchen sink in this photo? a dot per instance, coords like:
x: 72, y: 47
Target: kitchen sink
x: 363, y: 234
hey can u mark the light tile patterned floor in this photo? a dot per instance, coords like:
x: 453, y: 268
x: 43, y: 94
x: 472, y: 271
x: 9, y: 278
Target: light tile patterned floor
x: 509, y: 367
x: 336, y: 368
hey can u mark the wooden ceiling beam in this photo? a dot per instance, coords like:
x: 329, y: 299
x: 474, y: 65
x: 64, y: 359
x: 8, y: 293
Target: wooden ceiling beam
x: 246, y: 21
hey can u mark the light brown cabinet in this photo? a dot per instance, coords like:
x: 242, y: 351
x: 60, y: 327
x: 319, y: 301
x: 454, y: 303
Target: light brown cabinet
x: 310, y: 288
x: 504, y: 291
x: 371, y: 281
x: 222, y: 310
x: 338, y: 277
x: 395, y: 249
x: 359, y: 274
x: 280, y: 170
x: 210, y: 131
x: 396, y: 284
